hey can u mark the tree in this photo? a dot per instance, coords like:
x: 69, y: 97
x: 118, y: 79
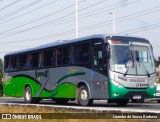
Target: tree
x: 1, y: 76
x: 157, y: 62
x: 1, y: 70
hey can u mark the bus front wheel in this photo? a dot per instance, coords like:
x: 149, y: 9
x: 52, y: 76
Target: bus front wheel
x: 158, y: 101
x: 83, y: 96
x: 138, y: 100
x: 122, y: 102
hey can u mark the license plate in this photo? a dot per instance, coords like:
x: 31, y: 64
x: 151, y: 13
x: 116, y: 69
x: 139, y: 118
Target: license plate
x: 157, y: 94
x: 137, y: 97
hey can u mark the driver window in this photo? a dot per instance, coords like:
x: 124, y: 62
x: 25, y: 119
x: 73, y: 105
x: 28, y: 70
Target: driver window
x: 97, y: 58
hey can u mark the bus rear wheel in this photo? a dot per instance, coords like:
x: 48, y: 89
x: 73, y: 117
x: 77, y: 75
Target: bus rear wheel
x: 122, y: 102
x: 28, y: 96
x: 83, y: 96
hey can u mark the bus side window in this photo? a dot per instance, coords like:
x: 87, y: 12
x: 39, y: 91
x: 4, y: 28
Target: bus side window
x: 30, y: 61
x: 22, y: 62
x: 36, y: 60
x: 48, y: 58
x: 63, y: 55
x: 54, y: 58
x: 13, y: 66
x: 85, y: 49
x: 59, y: 57
x: 7, y: 64
x: 81, y: 53
x: 66, y: 55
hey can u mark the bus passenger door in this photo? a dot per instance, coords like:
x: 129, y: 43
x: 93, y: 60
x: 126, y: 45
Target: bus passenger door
x: 97, y: 72
x: 97, y: 60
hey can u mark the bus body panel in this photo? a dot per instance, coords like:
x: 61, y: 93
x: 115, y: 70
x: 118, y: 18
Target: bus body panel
x: 130, y: 86
x: 56, y: 82
x: 124, y: 93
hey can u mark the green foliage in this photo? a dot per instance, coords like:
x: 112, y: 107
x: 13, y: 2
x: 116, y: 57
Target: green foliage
x: 1, y: 90
x: 1, y: 70
x: 1, y: 76
x: 157, y: 62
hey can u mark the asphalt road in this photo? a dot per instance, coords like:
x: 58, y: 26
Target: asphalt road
x: 152, y: 107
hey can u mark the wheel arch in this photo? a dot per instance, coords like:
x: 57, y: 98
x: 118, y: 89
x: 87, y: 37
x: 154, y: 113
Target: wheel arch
x: 80, y: 83
x: 33, y: 91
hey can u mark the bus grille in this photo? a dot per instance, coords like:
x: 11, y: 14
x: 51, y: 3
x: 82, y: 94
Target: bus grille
x: 132, y: 93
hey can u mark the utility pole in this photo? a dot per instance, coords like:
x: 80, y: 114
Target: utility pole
x: 76, y: 18
x: 113, y: 19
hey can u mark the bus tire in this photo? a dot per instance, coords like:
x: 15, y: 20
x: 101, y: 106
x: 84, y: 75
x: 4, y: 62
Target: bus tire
x: 83, y: 96
x: 28, y: 95
x: 158, y: 101
x: 138, y: 101
x: 122, y: 102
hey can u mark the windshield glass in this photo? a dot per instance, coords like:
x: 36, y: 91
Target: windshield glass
x: 132, y: 58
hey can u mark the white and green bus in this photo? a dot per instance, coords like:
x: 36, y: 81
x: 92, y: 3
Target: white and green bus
x: 98, y: 67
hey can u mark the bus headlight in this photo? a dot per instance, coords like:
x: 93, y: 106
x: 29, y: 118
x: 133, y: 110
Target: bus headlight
x: 153, y: 85
x: 116, y: 84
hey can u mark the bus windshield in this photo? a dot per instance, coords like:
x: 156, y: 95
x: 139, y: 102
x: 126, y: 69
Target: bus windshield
x: 132, y: 58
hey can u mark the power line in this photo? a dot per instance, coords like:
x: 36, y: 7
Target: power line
x: 41, y: 18
x: 65, y: 33
x: 53, y: 2
x: 53, y: 35
x: 28, y: 12
x: 104, y: 9
x: 9, y: 5
x: 73, y: 31
x: 145, y: 28
x: 141, y: 13
x: 71, y: 19
x: 120, y: 19
x: 94, y: 5
x: 20, y: 9
x: 80, y: 15
x: 51, y: 20
x: 90, y: 27
x: 10, y: 14
x: 37, y: 38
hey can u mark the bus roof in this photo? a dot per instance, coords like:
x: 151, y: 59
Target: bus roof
x: 63, y: 42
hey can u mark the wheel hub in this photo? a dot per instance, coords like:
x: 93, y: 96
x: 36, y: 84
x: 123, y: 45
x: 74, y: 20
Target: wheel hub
x: 84, y: 95
x: 28, y: 95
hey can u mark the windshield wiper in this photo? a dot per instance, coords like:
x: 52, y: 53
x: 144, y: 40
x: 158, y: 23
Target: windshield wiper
x: 140, y: 61
x: 129, y: 66
x: 132, y: 64
x: 126, y: 71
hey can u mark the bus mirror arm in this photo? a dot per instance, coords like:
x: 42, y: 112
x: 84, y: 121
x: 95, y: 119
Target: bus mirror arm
x: 108, y: 53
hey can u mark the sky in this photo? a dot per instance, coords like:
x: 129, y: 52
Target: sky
x: 30, y: 23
